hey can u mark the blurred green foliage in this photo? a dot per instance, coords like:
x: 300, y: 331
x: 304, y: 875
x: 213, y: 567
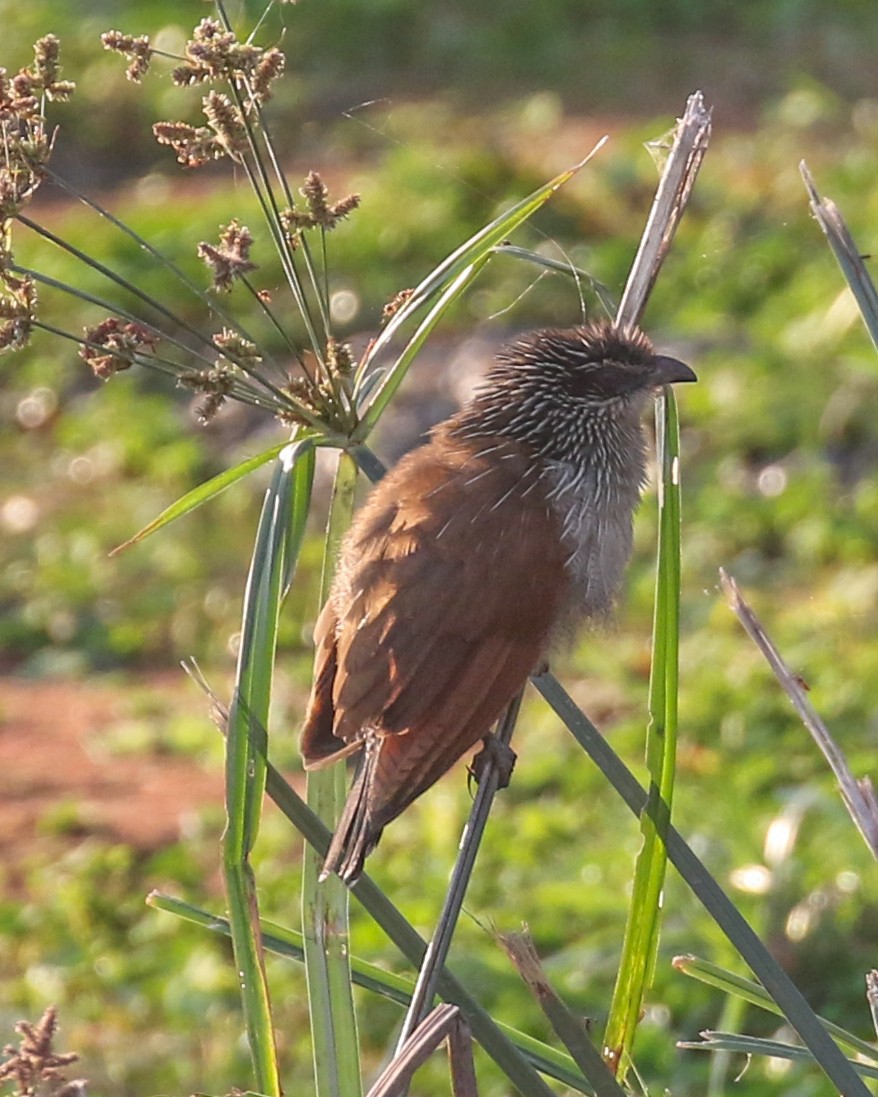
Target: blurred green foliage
x: 780, y: 452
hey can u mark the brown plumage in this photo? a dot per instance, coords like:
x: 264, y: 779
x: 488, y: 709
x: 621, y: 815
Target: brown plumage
x: 514, y: 519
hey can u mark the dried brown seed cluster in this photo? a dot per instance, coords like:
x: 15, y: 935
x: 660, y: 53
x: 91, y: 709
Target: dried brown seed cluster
x: 327, y: 393
x: 395, y: 304
x: 215, y: 383
x: 34, y: 1066
x: 224, y: 135
x: 135, y: 48
x: 317, y: 211
x: 112, y: 345
x: 231, y: 259
x: 214, y: 53
x: 18, y: 299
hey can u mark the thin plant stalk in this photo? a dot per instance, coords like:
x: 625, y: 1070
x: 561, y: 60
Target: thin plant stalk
x: 246, y: 751
x: 437, y: 952
x: 640, y: 943
x: 717, y: 904
x: 288, y: 945
x: 325, y: 914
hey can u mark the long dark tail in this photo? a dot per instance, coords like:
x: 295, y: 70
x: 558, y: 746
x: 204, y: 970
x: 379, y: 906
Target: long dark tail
x: 356, y: 834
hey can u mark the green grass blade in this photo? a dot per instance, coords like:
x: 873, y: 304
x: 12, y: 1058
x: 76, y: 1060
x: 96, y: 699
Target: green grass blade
x: 394, y: 378
x: 748, y: 991
x: 410, y: 943
x: 705, y: 888
x: 846, y: 253
x: 640, y: 945
x: 475, y: 250
x: 246, y: 744
x: 325, y: 905
x: 289, y: 945
x: 202, y: 494
x: 249, y: 963
x: 562, y: 266
x: 755, y: 1045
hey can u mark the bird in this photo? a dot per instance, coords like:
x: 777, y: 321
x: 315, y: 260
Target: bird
x: 479, y: 552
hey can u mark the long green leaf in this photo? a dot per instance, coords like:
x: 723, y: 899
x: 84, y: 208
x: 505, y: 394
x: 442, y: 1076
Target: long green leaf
x: 202, y: 494
x: 640, y: 945
x: 756, y: 1045
x: 288, y: 944
x: 715, y: 901
x: 477, y: 248
x: 246, y: 762
x: 325, y: 904
x: 396, y: 375
x: 748, y: 991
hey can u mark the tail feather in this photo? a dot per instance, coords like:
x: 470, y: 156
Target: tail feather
x: 356, y: 834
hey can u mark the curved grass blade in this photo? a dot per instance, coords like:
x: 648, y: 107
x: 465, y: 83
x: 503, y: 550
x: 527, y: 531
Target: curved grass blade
x: 478, y: 247
x: 640, y: 945
x: 202, y: 494
x: 746, y: 990
x: 756, y: 1045
x: 785, y: 993
x: 394, y: 377
x: 289, y: 945
x: 246, y: 744
x: 560, y: 266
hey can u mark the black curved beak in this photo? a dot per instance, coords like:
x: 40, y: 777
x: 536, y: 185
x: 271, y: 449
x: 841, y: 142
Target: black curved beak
x: 670, y: 371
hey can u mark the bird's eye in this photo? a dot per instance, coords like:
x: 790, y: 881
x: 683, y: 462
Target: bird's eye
x: 605, y: 381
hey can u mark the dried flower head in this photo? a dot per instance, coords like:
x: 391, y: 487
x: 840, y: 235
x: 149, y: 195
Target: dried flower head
x: 214, y: 53
x: 395, y: 304
x: 18, y: 302
x: 225, y: 120
x: 339, y: 358
x: 231, y: 259
x: 136, y: 50
x: 194, y: 146
x: 316, y: 195
x: 215, y: 383
x: 43, y: 76
x: 237, y: 348
x: 318, y: 211
x: 113, y: 345
x: 33, y: 1065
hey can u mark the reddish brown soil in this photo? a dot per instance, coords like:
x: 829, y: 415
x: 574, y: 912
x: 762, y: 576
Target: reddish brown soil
x: 51, y: 755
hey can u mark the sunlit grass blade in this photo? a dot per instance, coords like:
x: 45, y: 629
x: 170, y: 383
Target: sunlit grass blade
x: 748, y: 991
x: 714, y: 900
x: 561, y: 266
x: 202, y: 494
x: 325, y: 905
x: 847, y: 254
x: 496, y: 1044
x: 395, y: 376
x: 640, y: 946
x: 289, y: 945
x: 755, y: 1045
x: 246, y: 744
x: 478, y: 247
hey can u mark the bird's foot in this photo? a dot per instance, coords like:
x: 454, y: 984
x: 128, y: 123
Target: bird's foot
x: 501, y: 754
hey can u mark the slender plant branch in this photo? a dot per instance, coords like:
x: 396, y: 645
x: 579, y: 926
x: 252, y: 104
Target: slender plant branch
x: 715, y: 901
x: 434, y: 960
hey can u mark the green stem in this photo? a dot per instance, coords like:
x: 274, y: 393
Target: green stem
x: 325, y: 905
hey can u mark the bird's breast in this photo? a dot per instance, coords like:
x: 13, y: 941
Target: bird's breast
x: 597, y: 529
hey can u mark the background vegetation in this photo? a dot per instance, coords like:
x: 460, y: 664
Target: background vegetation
x: 780, y: 453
